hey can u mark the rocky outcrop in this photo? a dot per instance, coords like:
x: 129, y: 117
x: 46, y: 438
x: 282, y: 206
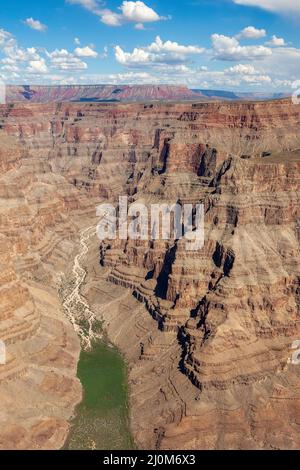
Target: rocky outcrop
x: 38, y: 387
x: 207, y: 333
x: 235, y: 304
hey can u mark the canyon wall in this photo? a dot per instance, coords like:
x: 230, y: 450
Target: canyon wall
x: 126, y: 93
x: 109, y: 93
x: 222, y: 319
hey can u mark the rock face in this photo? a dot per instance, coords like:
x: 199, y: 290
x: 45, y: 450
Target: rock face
x: 126, y: 93
x: 236, y: 96
x: 207, y: 333
x: 38, y: 387
x: 67, y: 93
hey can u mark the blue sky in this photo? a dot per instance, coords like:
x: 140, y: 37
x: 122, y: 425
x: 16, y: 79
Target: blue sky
x: 222, y: 44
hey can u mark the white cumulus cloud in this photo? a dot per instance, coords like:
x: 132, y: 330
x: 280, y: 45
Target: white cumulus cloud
x: 228, y: 48
x: 62, y: 59
x: 10, y: 68
x: 110, y: 18
x: 19, y: 54
x: 35, y: 24
x: 252, y: 33
x: 88, y: 4
x: 128, y: 12
x: 276, y: 42
x: 37, y: 66
x: 138, y: 12
x: 157, y: 53
x: 85, y: 52
x: 4, y: 36
x: 278, y: 6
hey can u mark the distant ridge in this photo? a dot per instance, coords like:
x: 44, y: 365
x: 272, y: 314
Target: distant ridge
x: 125, y: 93
x: 236, y: 96
x: 98, y: 93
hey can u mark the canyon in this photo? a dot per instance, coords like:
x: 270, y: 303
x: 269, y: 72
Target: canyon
x: 206, y: 334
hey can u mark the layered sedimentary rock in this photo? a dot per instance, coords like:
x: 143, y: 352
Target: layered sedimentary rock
x: 38, y: 385
x: 207, y: 333
x: 125, y: 93
x: 234, y: 304
x: 69, y: 93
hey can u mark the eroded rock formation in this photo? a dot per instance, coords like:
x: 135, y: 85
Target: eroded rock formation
x: 101, y: 93
x: 207, y: 333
